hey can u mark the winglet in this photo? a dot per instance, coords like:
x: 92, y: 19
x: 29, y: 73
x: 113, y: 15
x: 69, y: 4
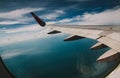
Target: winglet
x: 39, y: 21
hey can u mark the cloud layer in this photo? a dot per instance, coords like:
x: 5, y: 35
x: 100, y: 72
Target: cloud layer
x: 53, y: 15
x: 107, y: 17
x: 22, y: 34
x: 17, y: 16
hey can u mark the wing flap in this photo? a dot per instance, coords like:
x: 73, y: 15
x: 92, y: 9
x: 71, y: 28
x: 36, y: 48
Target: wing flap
x: 73, y: 37
x: 54, y: 32
x: 110, y: 55
x: 98, y: 46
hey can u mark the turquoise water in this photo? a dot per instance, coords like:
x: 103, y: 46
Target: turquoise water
x: 54, y: 58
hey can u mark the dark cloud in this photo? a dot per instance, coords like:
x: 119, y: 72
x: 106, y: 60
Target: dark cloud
x: 59, y: 4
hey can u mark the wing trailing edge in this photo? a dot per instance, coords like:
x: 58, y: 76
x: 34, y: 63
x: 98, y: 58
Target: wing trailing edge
x: 54, y: 32
x: 73, y: 37
x: 98, y: 46
x: 110, y: 55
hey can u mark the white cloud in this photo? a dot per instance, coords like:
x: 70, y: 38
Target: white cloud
x: 53, y: 15
x: 17, y: 16
x: 22, y: 34
x: 8, y: 22
x: 108, y: 17
x: 51, y: 22
x: 18, y: 37
x: 18, y: 13
x: 33, y: 27
x: 76, y: 18
x: 13, y: 53
x: 66, y: 20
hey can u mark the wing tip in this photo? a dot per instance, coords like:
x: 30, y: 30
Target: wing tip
x: 38, y: 20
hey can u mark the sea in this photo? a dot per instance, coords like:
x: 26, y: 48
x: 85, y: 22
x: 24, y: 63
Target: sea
x: 52, y: 57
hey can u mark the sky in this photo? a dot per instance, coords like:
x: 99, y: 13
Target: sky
x: 15, y: 15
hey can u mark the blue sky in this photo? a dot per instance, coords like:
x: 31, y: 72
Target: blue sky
x: 15, y: 14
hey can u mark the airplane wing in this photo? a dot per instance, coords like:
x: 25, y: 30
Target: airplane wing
x: 105, y: 37
x: 111, y: 40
